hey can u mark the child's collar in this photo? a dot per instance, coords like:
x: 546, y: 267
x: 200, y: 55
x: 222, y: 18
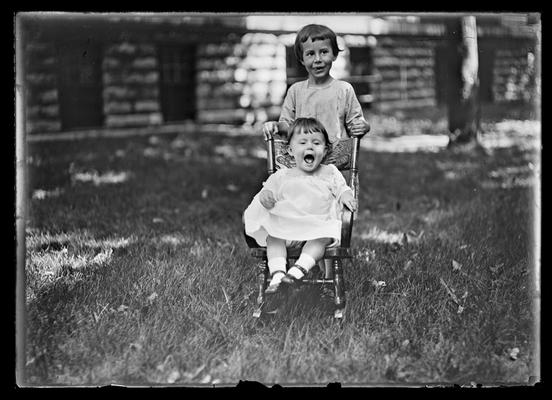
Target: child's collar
x: 322, y: 86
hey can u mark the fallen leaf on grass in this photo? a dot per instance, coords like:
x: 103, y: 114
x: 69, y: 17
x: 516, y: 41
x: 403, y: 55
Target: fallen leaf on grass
x: 514, y: 353
x: 135, y: 346
x: 152, y: 296
x: 122, y: 308
x: 378, y: 284
x: 456, y: 266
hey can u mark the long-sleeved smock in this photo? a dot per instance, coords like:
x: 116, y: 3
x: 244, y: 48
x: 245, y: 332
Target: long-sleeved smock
x: 334, y: 105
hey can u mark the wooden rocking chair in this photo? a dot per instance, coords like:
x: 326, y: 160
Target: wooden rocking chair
x: 345, y: 158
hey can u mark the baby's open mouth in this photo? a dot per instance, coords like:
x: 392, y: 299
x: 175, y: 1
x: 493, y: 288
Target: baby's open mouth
x: 309, y: 158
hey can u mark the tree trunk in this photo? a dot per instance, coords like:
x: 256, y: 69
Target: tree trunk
x: 463, y: 86
x: 538, y: 71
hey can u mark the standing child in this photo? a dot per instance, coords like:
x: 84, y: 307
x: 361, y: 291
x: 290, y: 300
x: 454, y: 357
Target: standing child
x: 332, y: 102
x: 299, y: 206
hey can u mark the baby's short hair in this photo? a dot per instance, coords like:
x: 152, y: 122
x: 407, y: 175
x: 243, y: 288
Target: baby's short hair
x: 308, y: 125
x: 314, y: 32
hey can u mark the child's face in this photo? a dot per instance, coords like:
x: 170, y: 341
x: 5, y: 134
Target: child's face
x: 308, y: 149
x: 318, y: 57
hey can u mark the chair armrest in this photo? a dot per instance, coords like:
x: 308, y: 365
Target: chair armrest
x: 346, y: 227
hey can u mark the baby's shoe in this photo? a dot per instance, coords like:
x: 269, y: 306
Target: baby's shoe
x: 291, y: 280
x: 273, y: 287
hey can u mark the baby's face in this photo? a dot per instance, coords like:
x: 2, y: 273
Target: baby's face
x: 308, y: 149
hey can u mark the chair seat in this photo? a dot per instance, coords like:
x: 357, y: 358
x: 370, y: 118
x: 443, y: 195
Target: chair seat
x: 332, y: 252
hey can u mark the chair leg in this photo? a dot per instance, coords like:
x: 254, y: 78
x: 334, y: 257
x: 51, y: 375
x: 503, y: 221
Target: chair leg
x: 339, y: 287
x: 262, y: 277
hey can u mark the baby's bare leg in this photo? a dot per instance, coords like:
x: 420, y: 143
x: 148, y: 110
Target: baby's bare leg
x: 312, y: 252
x: 276, y: 254
x: 316, y: 248
x: 275, y: 247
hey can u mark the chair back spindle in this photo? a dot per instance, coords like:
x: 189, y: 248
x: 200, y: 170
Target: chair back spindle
x: 270, y: 159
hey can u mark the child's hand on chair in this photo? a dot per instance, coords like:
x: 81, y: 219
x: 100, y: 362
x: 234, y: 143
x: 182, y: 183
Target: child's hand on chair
x: 360, y: 127
x: 266, y: 197
x: 270, y: 128
x: 348, y: 201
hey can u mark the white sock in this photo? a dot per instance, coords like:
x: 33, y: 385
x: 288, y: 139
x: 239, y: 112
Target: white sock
x: 305, y: 261
x: 277, y: 264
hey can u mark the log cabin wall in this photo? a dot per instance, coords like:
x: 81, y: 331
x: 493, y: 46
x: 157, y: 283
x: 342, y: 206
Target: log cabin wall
x: 233, y: 76
x: 514, y: 73
x: 41, y: 91
x: 405, y: 66
x: 241, y: 81
x: 131, y: 85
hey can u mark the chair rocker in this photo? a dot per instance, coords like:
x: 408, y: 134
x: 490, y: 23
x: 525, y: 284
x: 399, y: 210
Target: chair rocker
x: 345, y: 158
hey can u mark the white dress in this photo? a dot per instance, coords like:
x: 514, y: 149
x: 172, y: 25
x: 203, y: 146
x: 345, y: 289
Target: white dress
x: 306, y: 206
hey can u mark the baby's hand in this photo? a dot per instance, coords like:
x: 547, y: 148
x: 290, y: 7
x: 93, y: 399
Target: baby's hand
x: 360, y: 127
x: 266, y: 197
x: 269, y: 129
x: 348, y: 201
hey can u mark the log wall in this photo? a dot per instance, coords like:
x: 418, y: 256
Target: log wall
x: 41, y: 90
x: 406, y: 67
x: 131, y: 85
x: 242, y: 78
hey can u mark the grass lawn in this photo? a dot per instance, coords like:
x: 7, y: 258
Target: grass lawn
x: 137, y: 271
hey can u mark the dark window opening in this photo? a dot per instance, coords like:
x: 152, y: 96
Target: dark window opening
x: 442, y: 53
x: 80, y: 84
x: 485, y: 72
x: 362, y: 76
x: 177, y: 72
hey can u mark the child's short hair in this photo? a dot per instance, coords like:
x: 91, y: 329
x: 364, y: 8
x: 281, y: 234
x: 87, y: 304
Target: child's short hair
x: 308, y: 125
x: 314, y: 32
